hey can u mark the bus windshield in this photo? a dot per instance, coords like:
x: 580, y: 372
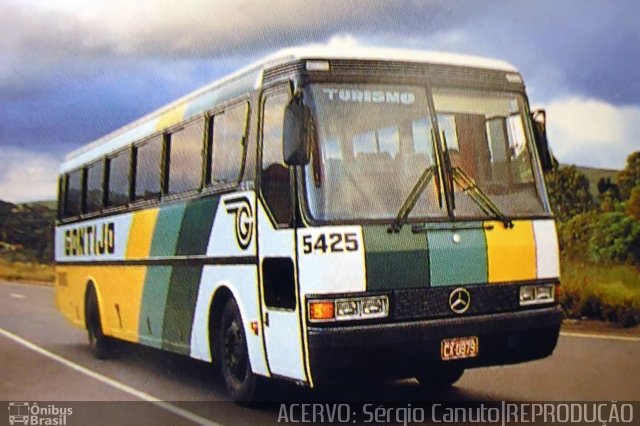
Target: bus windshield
x: 376, y: 141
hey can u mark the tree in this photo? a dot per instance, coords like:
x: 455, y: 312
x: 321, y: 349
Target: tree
x: 608, y: 189
x: 568, y: 193
x: 629, y: 177
x: 575, y: 235
x: 633, y: 204
x: 616, y: 238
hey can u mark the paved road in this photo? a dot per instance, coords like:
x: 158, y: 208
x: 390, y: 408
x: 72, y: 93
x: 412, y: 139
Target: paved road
x: 43, y: 358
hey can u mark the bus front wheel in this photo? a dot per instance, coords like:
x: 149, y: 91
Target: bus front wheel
x: 101, y: 345
x: 240, y: 381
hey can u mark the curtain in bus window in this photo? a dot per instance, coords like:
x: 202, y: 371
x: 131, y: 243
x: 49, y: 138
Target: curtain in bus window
x: 185, y: 157
x: 227, y: 145
x: 73, y: 204
x: 491, y: 148
x: 95, y: 192
x: 119, y: 170
x: 148, y: 172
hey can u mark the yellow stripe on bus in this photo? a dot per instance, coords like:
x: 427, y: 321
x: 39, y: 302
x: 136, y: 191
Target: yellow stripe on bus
x: 171, y: 117
x: 141, y: 234
x: 119, y: 291
x: 511, y: 252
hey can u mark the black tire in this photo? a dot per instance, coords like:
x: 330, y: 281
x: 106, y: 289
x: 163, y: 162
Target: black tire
x: 441, y: 378
x: 240, y: 382
x: 101, y: 346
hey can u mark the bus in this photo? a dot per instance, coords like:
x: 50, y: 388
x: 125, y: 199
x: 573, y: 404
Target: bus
x: 320, y: 216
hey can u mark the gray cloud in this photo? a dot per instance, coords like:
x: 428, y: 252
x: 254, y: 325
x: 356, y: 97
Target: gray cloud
x: 589, y: 47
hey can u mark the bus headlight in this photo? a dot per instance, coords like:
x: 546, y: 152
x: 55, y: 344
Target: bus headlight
x: 351, y: 308
x: 537, y: 294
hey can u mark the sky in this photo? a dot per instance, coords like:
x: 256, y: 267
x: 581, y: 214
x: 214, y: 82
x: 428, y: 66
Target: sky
x: 74, y: 70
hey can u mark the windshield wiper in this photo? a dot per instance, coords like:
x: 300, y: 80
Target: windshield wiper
x: 411, y: 200
x: 417, y: 190
x: 469, y: 186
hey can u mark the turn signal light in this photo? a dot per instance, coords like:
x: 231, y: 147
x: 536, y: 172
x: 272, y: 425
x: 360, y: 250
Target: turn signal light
x: 321, y: 310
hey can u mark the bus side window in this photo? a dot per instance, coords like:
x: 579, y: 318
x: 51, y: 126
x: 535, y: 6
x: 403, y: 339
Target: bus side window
x: 185, y: 158
x: 227, y: 144
x: 118, y: 181
x: 62, y: 187
x: 148, y: 168
x: 275, y: 178
x: 73, y: 201
x: 94, y: 189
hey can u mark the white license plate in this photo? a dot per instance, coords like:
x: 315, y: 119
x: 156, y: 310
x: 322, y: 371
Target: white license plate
x: 459, y: 347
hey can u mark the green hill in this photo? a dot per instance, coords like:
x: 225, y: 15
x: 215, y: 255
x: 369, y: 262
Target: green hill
x: 594, y: 175
x: 26, y: 231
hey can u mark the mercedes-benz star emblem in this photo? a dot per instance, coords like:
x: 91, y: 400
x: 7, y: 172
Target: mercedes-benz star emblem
x: 459, y: 300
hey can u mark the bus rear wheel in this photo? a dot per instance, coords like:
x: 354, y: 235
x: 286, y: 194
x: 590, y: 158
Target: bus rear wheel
x: 101, y: 346
x: 443, y: 377
x: 240, y: 381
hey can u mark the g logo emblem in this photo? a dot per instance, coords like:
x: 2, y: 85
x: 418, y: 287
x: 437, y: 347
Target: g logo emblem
x: 240, y: 207
x: 459, y: 300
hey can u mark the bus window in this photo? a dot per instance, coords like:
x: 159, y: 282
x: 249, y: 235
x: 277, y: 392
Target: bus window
x: 94, y: 188
x: 62, y: 184
x: 73, y: 204
x: 119, y: 171
x: 227, y: 144
x: 185, y: 158
x: 275, y: 174
x: 148, y: 172
x: 492, y: 148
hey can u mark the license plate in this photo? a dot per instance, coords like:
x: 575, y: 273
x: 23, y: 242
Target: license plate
x: 459, y: 347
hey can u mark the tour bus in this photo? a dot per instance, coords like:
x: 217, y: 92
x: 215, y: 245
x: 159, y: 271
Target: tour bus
x: 322, y: 215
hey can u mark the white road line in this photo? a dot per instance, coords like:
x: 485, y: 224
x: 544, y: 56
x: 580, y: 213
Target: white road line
x: 111, y: 382
x: 600, y: 336
x: 17, y: 295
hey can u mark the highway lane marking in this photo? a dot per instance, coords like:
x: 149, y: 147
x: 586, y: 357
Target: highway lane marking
x: 111, y: 382
x: 17, y: 296
x: 600, y: 336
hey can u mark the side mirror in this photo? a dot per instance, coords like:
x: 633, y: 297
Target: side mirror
x: 298, y: 130
x: 539, y: 121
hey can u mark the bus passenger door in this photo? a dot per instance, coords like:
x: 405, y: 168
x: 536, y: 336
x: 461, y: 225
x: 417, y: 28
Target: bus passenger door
x: 281, y: 322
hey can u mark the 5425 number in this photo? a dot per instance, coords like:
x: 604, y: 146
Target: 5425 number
x: 333, y: 242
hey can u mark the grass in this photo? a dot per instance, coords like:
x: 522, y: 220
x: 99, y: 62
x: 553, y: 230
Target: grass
x: 611, y: 293
x: 26, y: 271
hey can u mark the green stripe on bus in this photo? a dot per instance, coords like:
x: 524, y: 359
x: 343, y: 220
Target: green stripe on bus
x: 180, y: 309
x: 154, y: 299
x: 397, y: 260
x: 458, y: 260
x: 196, y: 226
x: 167, y: 230
x: 182, y: 295
x: 157, y: 279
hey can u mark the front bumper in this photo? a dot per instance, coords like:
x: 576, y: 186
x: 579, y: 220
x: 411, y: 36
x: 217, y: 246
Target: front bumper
x: 407, y: 349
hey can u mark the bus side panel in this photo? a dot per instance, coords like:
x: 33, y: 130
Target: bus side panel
x: 70, y: 289
x: 547, y: 252
x: 120, y: 290
x: 239, y: 279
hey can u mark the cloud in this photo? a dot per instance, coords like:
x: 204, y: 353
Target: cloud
x: 590, y: 49
x: 27, y: 176
x: 592, y: 132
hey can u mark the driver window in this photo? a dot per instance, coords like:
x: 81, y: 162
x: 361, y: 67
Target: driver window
x: 275, y: 179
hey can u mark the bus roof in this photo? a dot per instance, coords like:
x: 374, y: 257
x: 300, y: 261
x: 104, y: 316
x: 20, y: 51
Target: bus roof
x: 249, y: 78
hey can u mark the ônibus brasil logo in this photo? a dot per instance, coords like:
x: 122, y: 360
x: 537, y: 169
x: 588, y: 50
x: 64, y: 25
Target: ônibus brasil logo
x: 28, y: 413
x: 240, y: 207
